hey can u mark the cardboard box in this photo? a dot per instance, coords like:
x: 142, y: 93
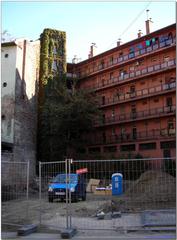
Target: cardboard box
x: 103, y: 191
x: 92, y: 185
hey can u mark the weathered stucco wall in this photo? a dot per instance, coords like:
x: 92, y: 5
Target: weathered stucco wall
x: 8, y: 71
x: 24, y: 80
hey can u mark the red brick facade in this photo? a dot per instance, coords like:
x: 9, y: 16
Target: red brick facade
x: 136, y: 85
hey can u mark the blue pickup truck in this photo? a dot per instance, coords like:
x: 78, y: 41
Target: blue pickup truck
x: 77, y: 187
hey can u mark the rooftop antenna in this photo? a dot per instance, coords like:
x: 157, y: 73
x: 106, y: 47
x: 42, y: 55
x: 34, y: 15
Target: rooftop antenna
x: 148, y: 22
x: 94, y: 44
x: 147, y: 13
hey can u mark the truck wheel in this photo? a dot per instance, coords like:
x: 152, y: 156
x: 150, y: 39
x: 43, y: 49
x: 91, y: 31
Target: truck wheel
x: 50, y: 199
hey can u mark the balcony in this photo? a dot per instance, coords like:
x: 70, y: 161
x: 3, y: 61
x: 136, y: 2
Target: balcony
x: 131, y: 56
x: 133, y: 75
x: 135, y: 116
x: 129, y: 137
x: 139, y: 94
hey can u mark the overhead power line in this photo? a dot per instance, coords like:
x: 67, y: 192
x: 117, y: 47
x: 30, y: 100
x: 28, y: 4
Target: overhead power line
x: 132, y: 22
x: 136, y: 18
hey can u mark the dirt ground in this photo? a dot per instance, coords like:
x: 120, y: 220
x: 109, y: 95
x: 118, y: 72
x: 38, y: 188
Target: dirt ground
x: 53, y: 215
x: 152, y: 190
x: 16, y: 210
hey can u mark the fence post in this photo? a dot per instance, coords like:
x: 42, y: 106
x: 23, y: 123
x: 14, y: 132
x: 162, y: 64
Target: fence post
x: 70, y: 160
x: 27, y: 181
x: 68, y: 232
x: 27, y: 189
x: 40, y: 189
x: 66, y: 170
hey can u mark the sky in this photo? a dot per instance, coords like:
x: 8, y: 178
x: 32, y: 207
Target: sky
x: 102, y: 23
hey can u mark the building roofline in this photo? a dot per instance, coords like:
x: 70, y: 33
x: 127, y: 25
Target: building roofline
x: 134, y: 41
x: 8, y: 44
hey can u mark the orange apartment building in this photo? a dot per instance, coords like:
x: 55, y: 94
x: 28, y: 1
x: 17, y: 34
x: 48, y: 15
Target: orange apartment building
x: 136, y: 86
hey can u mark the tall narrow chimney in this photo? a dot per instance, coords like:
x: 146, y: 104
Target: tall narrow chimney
x: 148, y: 23
x: 119, y: 42
x: 92, y: 50
x: 139, y: 34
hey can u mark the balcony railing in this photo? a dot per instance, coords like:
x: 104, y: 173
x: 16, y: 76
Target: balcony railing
x: 136, y: 74
x: 138, y: 136
x: 131, y: 56
x: 138, y: 94
x: 149, y: 113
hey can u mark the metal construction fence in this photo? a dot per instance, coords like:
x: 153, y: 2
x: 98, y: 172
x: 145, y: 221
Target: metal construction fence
x: 111, y: 194
x: 144, y: 184
x: 14, y: 189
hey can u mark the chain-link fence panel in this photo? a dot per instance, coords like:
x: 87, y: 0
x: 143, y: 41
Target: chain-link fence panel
x: 14, y: 190
x: 106, y: 194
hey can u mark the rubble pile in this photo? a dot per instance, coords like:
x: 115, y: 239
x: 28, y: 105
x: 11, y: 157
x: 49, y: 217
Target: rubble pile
x: 153, y: 186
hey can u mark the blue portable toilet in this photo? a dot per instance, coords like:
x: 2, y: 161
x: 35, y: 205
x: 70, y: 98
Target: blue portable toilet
x: 117, y: 188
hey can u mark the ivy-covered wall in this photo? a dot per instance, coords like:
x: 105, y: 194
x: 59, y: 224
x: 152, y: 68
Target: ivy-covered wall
x: 52, y: 60
x: 52, y: 71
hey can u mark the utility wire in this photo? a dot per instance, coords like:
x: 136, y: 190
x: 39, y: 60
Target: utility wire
x: 132, y: 22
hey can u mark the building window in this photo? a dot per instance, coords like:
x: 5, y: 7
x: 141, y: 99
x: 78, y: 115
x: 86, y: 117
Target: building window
x: 54, y: 65
x: 103, y: 118
x: 156, y: 100
x: 168, y: 144
x: 170, y: 124
x: 144, y: 102
x: 113, y: 113
x: 113, y: 131
x: 122, y: 109
x: 166, y: 58
x: 147, y: 146
x: 4, y: 84
x: 104, y: 137
x: 103, y: 100
x: 6, y: 147
x: 132, y: 89
x: 111, y: 60
x: 110, y: 149
x: 102, y: 64
x: 94, y: 150
x: 6, y: 55
x: 132, y: 69
x: 122, y: 72
x: 153, y: 59
x: 133, y: 112
x: 169, y: 101
x: 130, y: 147
x: 55, y: 50
x: 134, y: 133
x: 3, y: 117
x: 154, y: 79
x: 111, y: 75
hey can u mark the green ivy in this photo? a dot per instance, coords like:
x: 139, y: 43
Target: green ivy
x: 52, y: 48
x: 51, y: 39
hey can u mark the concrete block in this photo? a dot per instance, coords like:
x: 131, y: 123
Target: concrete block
x: 116, y: 215
x: 27, y: 229
x: 108, y: 216
x: 68, y: 233
x: 161, y: 217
